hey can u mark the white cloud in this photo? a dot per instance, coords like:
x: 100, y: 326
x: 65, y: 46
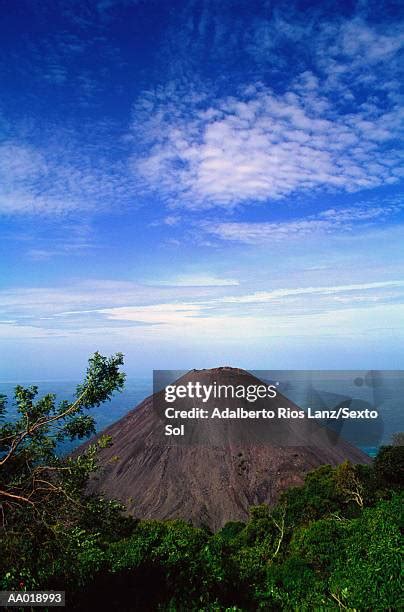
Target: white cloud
x: 363, y: 44
x: 110, y: 315
x: 265, y: 146
x: 167, y: 314
x: 172, y: 220
x: 197, y: 281
x: 256, y: 233
x: 328, y: 221
x: 331, y: 124
x: 32, y: 303
x: 52, y: 181
x: 268, y: 296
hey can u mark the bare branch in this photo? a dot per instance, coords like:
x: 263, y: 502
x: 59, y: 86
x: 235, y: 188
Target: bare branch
x: 20, y: 497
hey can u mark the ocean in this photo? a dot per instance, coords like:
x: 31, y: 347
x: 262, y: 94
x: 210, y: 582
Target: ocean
x: 136, y: 389
x: 383, y: 390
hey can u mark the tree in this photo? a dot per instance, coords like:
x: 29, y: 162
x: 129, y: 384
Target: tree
x: 42, y: 495
x: 367, y: 573
x: 398, y: 438
x: 349, y: 484
x: 389, y: 466
x: 31, y: 473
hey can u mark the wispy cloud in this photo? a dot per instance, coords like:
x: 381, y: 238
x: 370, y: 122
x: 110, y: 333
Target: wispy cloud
x: 74, y: 298
x: 268, y: 296
x: 197, y: 281
x: 96, y: 307
x: 331, y: 220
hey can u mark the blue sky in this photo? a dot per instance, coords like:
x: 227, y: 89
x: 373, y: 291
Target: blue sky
x: 201, y: 182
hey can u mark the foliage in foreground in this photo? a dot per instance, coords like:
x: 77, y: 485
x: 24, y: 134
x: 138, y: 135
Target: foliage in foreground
x: 334, y: 543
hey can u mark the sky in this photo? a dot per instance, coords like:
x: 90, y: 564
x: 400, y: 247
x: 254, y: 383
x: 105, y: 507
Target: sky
x: 199, y: 183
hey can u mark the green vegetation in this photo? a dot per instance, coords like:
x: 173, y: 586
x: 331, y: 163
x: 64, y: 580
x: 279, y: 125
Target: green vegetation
x: 333, y: 543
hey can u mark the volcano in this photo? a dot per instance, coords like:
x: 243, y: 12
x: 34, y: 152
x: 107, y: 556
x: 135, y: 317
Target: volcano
x: 219, y: 469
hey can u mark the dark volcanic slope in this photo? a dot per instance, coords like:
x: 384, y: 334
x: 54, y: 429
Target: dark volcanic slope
x: 225, y: 470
